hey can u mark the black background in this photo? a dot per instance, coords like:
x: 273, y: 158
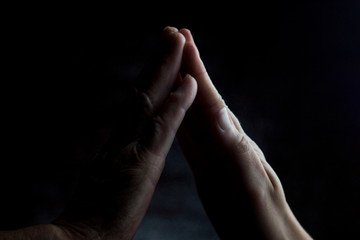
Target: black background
x: 289, y: 71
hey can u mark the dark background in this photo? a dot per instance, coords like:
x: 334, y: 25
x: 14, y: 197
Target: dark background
x: 289, y: 71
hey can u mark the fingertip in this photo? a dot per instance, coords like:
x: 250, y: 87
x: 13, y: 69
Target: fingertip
x: 191, y: 59
x: 170, y: 29
x: 187, y: 34
x: 188, y: 77
x: 173, y: 35
x: 181, y: 38
x: 191, y: 85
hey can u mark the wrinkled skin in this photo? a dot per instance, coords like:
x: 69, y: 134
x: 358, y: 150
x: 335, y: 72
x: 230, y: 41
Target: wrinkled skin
x: 116, y: 189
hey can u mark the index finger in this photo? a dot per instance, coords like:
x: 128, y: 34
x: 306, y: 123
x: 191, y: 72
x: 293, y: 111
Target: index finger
x: 207, y: 97
x: 159, y: 75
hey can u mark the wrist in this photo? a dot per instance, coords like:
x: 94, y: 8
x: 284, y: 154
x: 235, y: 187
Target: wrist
x: 38, y: 232
x: 292, y: 227
x: 279, y: 222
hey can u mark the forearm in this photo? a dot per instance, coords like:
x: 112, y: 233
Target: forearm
x: 233, y: 215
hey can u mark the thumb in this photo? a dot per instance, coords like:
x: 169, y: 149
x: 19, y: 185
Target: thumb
x: 158, y: 140
x: 209, y: 100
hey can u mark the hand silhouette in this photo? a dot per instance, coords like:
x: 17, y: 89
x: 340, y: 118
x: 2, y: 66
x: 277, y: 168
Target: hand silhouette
x: 118, y: 184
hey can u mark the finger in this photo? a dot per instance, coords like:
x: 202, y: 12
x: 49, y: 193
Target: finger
x: 152, y: 87
x: 251, y: 142
x: 247, y: 155
x: 229, y: 129
x: 167, y: 122
x: 235, y: 120
x: 158, y: 77
x: 207, y: 97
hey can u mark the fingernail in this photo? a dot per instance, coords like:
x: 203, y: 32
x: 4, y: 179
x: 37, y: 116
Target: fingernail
x: 224, y: 120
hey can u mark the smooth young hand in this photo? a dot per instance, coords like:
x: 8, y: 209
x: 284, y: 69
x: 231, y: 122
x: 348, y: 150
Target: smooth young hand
x: 240, y: 191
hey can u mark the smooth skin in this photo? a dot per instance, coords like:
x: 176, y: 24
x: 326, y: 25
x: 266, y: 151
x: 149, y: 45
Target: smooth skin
x: 240, y: 192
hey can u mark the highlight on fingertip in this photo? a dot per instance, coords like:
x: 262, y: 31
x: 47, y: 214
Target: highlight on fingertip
x: 187, y: 34
x: 188, y: 86
x: 186, y: 79
x: 188, y: 76
x: 173, y: 34
x: 170, y: 29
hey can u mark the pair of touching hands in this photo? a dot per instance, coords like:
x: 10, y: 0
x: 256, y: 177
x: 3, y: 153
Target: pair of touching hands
x: 240, y: 192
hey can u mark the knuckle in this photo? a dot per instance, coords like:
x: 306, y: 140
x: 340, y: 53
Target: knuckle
x: 158, y: 123
x: 161, y: 127
x: 257, y: 150
x: 242, y: 144
x: 145, y: 104
x: 137, y: 165
x: 129, y: 156
x: 136, y: 156
x: 217, y: 103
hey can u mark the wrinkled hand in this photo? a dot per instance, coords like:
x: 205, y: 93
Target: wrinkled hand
x: 116, y: 190
x: 240, y: 191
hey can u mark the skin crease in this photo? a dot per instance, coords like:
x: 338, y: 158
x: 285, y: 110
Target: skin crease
x: 240, y: 192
